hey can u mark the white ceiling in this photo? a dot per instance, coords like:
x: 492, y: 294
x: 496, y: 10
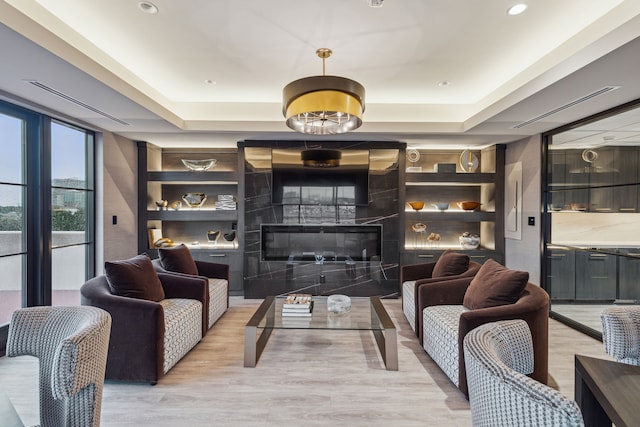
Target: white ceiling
x: 149, y: 71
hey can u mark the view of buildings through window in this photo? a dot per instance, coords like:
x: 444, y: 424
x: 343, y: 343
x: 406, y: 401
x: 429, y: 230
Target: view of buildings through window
x: 64, y: 208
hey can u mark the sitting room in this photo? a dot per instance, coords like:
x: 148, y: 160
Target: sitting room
x: 369, y: 213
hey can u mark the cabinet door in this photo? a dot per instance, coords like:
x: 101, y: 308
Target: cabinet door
x: 601, y: 178
x: 561, y: 276
x: 233, y: 259
x: 595, y: 276
x: 626, y: 177
x: 629, y: 272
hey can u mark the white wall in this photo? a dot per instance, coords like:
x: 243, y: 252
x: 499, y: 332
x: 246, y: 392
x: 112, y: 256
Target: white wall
x: 120, y: 198
x: 524, y: 253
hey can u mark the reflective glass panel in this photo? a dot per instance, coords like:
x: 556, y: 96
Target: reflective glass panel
x: 68, y: 157
x: 67, y: 274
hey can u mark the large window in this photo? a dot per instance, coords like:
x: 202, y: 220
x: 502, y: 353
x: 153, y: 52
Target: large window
x: 12, y: 212
x: 46, y: 210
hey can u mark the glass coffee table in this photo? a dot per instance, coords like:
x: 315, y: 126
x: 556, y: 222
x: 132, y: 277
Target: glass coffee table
x: 366, y: 314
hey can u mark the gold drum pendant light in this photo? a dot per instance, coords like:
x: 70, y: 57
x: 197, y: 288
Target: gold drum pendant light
x: 323, y: 105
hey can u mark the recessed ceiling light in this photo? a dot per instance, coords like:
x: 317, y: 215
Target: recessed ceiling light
x: 148, y: 7
x: 444, y: 83
x: 516, y: 9
x: 209, y: 82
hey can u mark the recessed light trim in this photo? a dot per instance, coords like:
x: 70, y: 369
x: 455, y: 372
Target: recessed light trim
x: 516, y: 9
x: 148, y: 7
x: 210, y: 82
x: 444, y: 83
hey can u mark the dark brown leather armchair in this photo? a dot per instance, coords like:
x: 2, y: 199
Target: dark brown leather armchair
x: 136, y: 347
x: 532, y: 307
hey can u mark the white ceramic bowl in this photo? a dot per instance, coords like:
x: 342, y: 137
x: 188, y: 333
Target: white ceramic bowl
x: 338, y: 304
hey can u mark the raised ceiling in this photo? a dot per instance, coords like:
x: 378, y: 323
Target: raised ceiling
x: 205, y: 72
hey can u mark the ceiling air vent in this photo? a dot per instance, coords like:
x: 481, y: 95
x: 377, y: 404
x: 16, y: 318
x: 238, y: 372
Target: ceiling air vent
x: 575, y: 102
x: 75, y: 101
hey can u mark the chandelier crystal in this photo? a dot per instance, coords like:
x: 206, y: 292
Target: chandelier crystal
x: 323, y: 105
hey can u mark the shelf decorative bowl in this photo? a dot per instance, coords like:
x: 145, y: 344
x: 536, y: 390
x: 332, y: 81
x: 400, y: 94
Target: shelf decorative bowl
x: 419, y: 227
x: 176, y: 205
x: 199, y: 165
x: 194, y: 200
x: 469, y: 206
x: 469, y: 241
x: 229, y: 237
x: 162, y: 204
x: 338, y: 304
x: 416, y: 206
x: 441, y: 206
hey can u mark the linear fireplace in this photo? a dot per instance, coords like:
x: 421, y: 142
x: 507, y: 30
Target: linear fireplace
x: 321, y: 242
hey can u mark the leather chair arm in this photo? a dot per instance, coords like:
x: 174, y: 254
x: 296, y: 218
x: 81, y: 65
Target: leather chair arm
x: 135, y: 354
x: 213, y: 270
x: 416, y: 271
x: 533, y: 308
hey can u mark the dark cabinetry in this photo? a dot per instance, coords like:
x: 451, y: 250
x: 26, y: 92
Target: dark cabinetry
x: 561, y: 269
x: 595, y: 276
x: 629, y: 275
x: 595, y: 180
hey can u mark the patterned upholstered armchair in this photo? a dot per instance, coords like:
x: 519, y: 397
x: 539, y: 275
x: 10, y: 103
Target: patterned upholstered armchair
x: 449, y: 266
x: 71, y: 344
x: 498, y: 356
x: 621, y: 333
x: 178, y: 260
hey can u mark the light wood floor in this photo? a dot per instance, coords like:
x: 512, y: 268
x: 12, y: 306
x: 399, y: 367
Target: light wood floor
x: 317, y: 378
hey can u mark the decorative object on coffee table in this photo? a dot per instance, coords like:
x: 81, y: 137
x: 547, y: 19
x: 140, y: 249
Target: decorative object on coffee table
x: 338, y: 304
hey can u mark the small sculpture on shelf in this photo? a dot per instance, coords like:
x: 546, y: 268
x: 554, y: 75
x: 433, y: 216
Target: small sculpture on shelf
x: 469, y: 241
x: 212, y: 235
x: 162, y: 204
x: 434, y: 239
x: 176, y: 205
x: 194, y: 200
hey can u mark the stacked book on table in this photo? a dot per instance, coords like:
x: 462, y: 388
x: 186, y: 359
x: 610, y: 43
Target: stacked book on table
x: 297, y: 305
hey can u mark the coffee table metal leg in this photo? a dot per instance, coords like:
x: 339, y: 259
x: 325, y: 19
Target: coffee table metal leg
x: 386, y: 337
x: 254, y: 344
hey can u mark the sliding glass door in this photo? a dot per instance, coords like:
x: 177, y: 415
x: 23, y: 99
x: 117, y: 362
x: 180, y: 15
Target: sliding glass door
x: 13, y: 131
x: 47, y: 197
x: 71, y: 202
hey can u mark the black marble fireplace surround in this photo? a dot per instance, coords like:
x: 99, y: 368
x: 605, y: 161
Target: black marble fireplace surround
x: 370, y: 270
